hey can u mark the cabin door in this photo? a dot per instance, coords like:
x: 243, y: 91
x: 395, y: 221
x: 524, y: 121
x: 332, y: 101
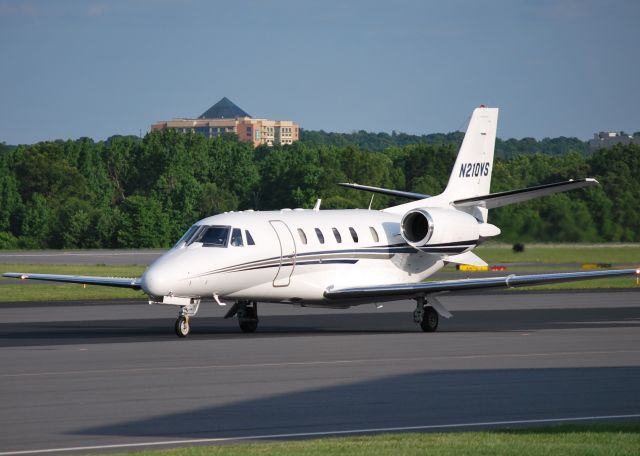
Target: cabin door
x: 287, y: 253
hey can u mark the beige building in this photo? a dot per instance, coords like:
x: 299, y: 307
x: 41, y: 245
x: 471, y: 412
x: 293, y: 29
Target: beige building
x: 607, y: 139
x: 226, y: 117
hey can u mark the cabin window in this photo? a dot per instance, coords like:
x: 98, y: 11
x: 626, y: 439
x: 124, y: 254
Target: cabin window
x: 236, y: 237
x: 374, y: 234
x: 354, y: 235
x: 320, y: 235
x: 303, y: 237
x: 212, y: 236
x: 249, y: 238
x: 336, y: 233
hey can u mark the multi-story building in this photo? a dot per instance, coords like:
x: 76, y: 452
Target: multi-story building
x: 608, y: 139
x: 226, y: 117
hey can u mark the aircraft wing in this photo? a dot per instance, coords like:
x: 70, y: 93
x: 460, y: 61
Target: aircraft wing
x: 385, y: 191
x: 499, y: 199
x: 122, y: 282
x: 414, y: 290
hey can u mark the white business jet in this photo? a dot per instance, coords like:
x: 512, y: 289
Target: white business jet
x: 342, y: 258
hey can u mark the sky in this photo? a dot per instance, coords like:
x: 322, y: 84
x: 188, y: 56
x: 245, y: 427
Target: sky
x: 71, y: 69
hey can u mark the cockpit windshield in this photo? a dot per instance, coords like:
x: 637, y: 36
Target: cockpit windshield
x: 186, y: 236
x: 214, y: 236
x: 209, y: 236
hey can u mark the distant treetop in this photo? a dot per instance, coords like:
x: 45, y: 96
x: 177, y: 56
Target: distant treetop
x: 504, y: 148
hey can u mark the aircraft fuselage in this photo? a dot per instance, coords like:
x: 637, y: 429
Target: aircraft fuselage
x: 290, y: 256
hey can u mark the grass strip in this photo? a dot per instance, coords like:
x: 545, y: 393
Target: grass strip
x: 561, y: 253
x: 47, y: 291
x: 567, y: 439
x: 540, y: 254
x: 64, y: 292
x: 596, y: 284
x: 75, y: 269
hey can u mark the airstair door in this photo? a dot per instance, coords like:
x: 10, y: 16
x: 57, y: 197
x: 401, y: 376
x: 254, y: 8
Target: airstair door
x: 287, y: 253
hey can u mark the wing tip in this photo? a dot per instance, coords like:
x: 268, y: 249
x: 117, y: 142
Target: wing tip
x: 15, y: 275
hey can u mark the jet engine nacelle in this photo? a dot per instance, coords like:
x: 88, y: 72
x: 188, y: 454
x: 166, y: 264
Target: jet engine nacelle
x: 440, y: 231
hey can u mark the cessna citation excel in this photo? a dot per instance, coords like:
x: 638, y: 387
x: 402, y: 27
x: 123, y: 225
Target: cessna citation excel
x: 343, y: 258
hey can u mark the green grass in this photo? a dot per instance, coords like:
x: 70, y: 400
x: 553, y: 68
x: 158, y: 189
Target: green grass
x: 76, y: 269
x: 607, y: 283
x: 64, y: 292
x: 43, y: 291
x: 562, y: 253
x: 597, y: 284
x: 545, y: 256
x: 595, y: 440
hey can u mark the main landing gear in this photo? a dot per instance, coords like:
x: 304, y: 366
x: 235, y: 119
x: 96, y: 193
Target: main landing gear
x: 425, y: 315
x: 247, y: 312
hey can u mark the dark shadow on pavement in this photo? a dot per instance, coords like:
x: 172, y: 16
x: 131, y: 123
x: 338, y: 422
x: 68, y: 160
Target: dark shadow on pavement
x: 417, y: 399
x: 216, y: 328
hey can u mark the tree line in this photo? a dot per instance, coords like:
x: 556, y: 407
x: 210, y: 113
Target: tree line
x: 504, y: 148
x: 130, y: 192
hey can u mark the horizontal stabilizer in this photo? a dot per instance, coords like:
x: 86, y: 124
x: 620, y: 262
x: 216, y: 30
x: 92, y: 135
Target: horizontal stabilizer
x: 494, y: 200
x: 466, y: 258
x: 121, y: 282
x: 386, y: 191
x: 413, y: 290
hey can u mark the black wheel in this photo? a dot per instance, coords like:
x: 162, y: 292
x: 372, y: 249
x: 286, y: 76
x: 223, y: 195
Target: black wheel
x: 429, y: 321
x: 251, y: 312
x: 182, y: 327
x: 248, y: 317
x: 249, y: 326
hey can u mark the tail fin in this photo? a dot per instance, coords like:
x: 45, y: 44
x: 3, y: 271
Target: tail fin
x: 471, y: 175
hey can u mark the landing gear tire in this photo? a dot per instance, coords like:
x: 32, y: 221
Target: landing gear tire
x: 429, y: 321
x: 248, y: 317
x: 182, y: 326
x: 248, y: 326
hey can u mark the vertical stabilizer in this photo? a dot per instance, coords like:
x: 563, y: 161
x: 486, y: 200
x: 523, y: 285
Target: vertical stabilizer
x: 471, y: 175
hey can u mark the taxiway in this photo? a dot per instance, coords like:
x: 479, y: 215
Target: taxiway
x: 106, y: 375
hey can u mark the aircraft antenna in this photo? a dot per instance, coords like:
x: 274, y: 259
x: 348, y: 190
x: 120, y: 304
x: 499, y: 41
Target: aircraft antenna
x: 371, y: 202
x: 317, y: 206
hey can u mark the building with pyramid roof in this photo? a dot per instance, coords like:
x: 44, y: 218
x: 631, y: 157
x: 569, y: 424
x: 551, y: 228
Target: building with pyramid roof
x: 226, y: 117
x: 224, y: 109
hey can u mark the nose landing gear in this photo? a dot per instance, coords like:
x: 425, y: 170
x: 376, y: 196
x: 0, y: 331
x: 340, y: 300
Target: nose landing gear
x: 182, y: 325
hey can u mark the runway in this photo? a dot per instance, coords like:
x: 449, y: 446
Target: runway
x: 112, y: 374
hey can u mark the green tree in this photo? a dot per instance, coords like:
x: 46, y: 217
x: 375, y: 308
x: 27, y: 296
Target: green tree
x: 215, y: 200
x: 10, y: 202
x: 8, y: 241
x: 142, y: 223
x: 44, y: 170
x: 36, y: 224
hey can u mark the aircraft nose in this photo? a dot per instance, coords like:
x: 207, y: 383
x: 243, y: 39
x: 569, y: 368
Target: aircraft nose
x: 154, y: 282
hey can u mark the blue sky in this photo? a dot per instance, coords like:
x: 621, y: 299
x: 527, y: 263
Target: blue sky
x: 97, y: 68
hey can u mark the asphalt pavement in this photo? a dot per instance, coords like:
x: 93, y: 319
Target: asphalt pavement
x: 102, y: 375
